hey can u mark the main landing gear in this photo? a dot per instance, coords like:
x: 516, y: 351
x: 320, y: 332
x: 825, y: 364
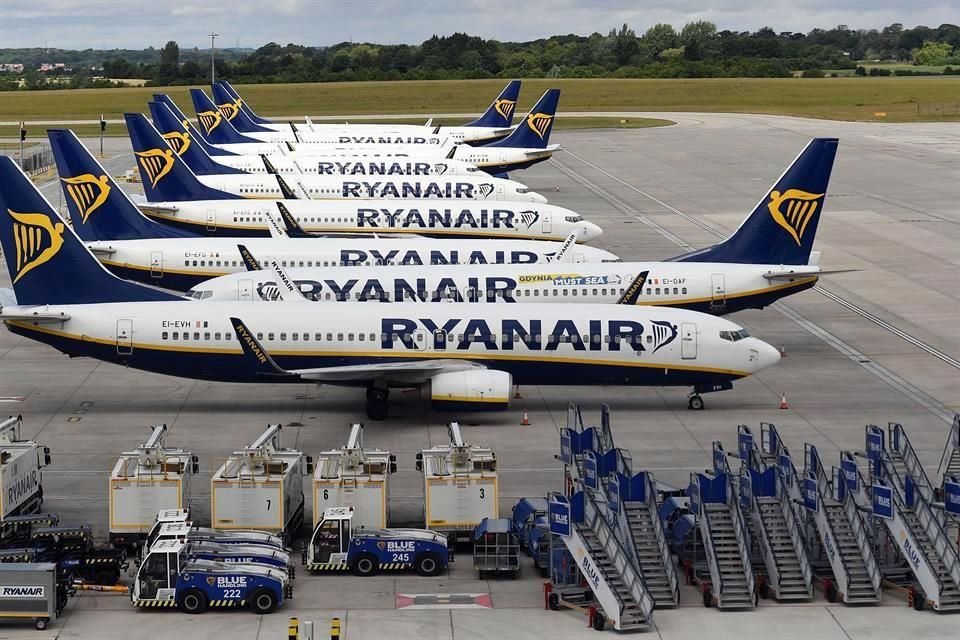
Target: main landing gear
x: 695, y: 399
x: 378, y: 405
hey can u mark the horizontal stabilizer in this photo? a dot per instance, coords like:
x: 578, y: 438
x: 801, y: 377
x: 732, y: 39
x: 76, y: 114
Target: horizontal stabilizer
x: 38, y: 316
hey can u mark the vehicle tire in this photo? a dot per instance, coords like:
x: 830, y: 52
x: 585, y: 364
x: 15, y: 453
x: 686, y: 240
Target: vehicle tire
x: 832, y: 593
x: 553, y: 602
x: 105, y: 577
x: 695, y: 403
x: 919, y: 600
x: 707, y: 598
x: 428, y: 564
x: 41, y: 623
x: 263, y: 601
x: 599, y: 621
x: 193, y: 601
x: 365, y: 565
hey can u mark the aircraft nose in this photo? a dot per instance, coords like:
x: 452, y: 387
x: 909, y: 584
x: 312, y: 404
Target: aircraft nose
x: 766, y: 355
x: 591, y: 231
x: 536, y: 197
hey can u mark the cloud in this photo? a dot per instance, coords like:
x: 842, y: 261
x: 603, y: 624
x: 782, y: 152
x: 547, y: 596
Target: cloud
x: 79, y: 24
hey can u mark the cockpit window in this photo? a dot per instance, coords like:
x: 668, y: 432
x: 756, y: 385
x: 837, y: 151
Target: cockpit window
x: 523, y: 190
x: 734, y: 336
x: 472, y: 169
x: 574, y: 218
x: 199, y: 295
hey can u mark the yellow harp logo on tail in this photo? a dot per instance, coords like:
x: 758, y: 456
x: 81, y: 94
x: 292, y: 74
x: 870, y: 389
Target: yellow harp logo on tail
x: 157, y: 163
x: 36, y: 240
x: 229, y: 110
x: 793, y: 209
x: 210, y: 120
x: 505, y: 108
x: 178, y: 140
x: 88, y: 192
x: 539, y: 122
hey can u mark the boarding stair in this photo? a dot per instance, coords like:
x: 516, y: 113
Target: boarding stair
x: 950, y: 460
x: 598, y: 540
x: 843, y: 535
x: 916, y: 527
x: 776, y: 529
x: 650, y: 542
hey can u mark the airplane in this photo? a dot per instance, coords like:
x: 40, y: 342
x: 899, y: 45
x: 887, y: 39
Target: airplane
x: 765, y: 259
x: 527, y: 145
x: 155, y: 159
x: 202, y: 163
x: 219, y: 129
x: 138, y: 248
x: 468, y: 356
x: 179, y: 199
x: 495, y: 123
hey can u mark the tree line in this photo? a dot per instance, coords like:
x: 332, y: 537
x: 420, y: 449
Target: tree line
x: 698, y: 49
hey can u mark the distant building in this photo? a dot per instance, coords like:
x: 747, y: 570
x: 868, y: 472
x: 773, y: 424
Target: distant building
x: 12, y: 67
x: 47, y: 66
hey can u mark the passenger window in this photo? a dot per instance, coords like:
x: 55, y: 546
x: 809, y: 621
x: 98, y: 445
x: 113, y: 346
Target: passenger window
x: 269, y: 336
x: 176, y: 335
x: 163, y: 336
x: 283, y: 337
x: 216, y: 336
x: 340, y: 337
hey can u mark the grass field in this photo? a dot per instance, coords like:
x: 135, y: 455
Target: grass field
x: 831, y: 98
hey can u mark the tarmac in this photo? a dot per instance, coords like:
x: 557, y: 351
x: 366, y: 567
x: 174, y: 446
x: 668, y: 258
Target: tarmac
x: 873, y: 345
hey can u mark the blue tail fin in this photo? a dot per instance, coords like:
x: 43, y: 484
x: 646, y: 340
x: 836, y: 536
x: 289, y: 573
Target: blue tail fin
x: 166, y: 178
x: 500, y: 112
x: 217, y: 129
x: 230, y: 108
x: 172, y: 125
x: 48, y: 263
x: 193, y: 154
x: 782, y: 227
x: 534, y: 131
x: 99, y: 208
x: 243, y: 105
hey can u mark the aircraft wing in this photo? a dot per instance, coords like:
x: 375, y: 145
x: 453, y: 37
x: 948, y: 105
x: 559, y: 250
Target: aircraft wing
x: 408, y: 372
x: 36, y: 315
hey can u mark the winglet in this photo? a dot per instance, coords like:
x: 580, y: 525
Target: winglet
x: 288, y: 193
x: 288, y: 290
x: 563, y: 254
x: 276, y: 229
x: 254, y: 351
x: 251, y: 263
x: 272, y: 170
x: 632, y: 294
x: 293, y: 228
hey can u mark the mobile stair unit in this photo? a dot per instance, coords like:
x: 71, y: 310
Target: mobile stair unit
x: 843, y: 536
x: 726, y: 541
x: 594, y: 534
x: 903, y: 501
x: 950, y: 460
x: 356, y: 477
x: 775, y: 527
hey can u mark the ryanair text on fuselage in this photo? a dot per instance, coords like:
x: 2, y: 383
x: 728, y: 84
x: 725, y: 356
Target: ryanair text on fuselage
x: 446, y: 218
x: 366, y: 189
x: 380, y: 168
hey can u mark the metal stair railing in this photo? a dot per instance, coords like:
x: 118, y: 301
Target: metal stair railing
x: 823, y: 493
x: 650, y: 490
x: 622, y: 561
x: 953, y: 437
x: 707, y: 538
x: 900, y: 443
x: 796, y: 535
x: 742, y: 533
x: 767, y: 543
x: 900, y: 505
x: 928, y: 520
x: 855, y: 518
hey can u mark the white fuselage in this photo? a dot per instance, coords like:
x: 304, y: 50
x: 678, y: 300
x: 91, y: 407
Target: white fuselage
x: 349, y: 165
x: 461, y: 218
x: 707, y: 286
x: 180, y: 263
x: 536, y: 343
x: 323, y: 130
x: 339, y: 187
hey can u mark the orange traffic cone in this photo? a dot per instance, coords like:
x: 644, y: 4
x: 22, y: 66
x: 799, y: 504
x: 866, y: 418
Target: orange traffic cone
x: 525, y: 422
x: 783, y: 351
x: 516, y: 393
x: 783, y: 401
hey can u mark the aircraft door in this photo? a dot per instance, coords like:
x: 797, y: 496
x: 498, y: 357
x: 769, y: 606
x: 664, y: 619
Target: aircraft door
x: 156, y: 264
x: 718, y: 291
x: 211, y: 220
x: 245, y: 290
x: 688, y: 341
x: 124, y: 337
x: 439, y: 340
x: 547, y: 222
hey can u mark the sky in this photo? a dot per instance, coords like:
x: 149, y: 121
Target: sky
x: 137, y: 24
